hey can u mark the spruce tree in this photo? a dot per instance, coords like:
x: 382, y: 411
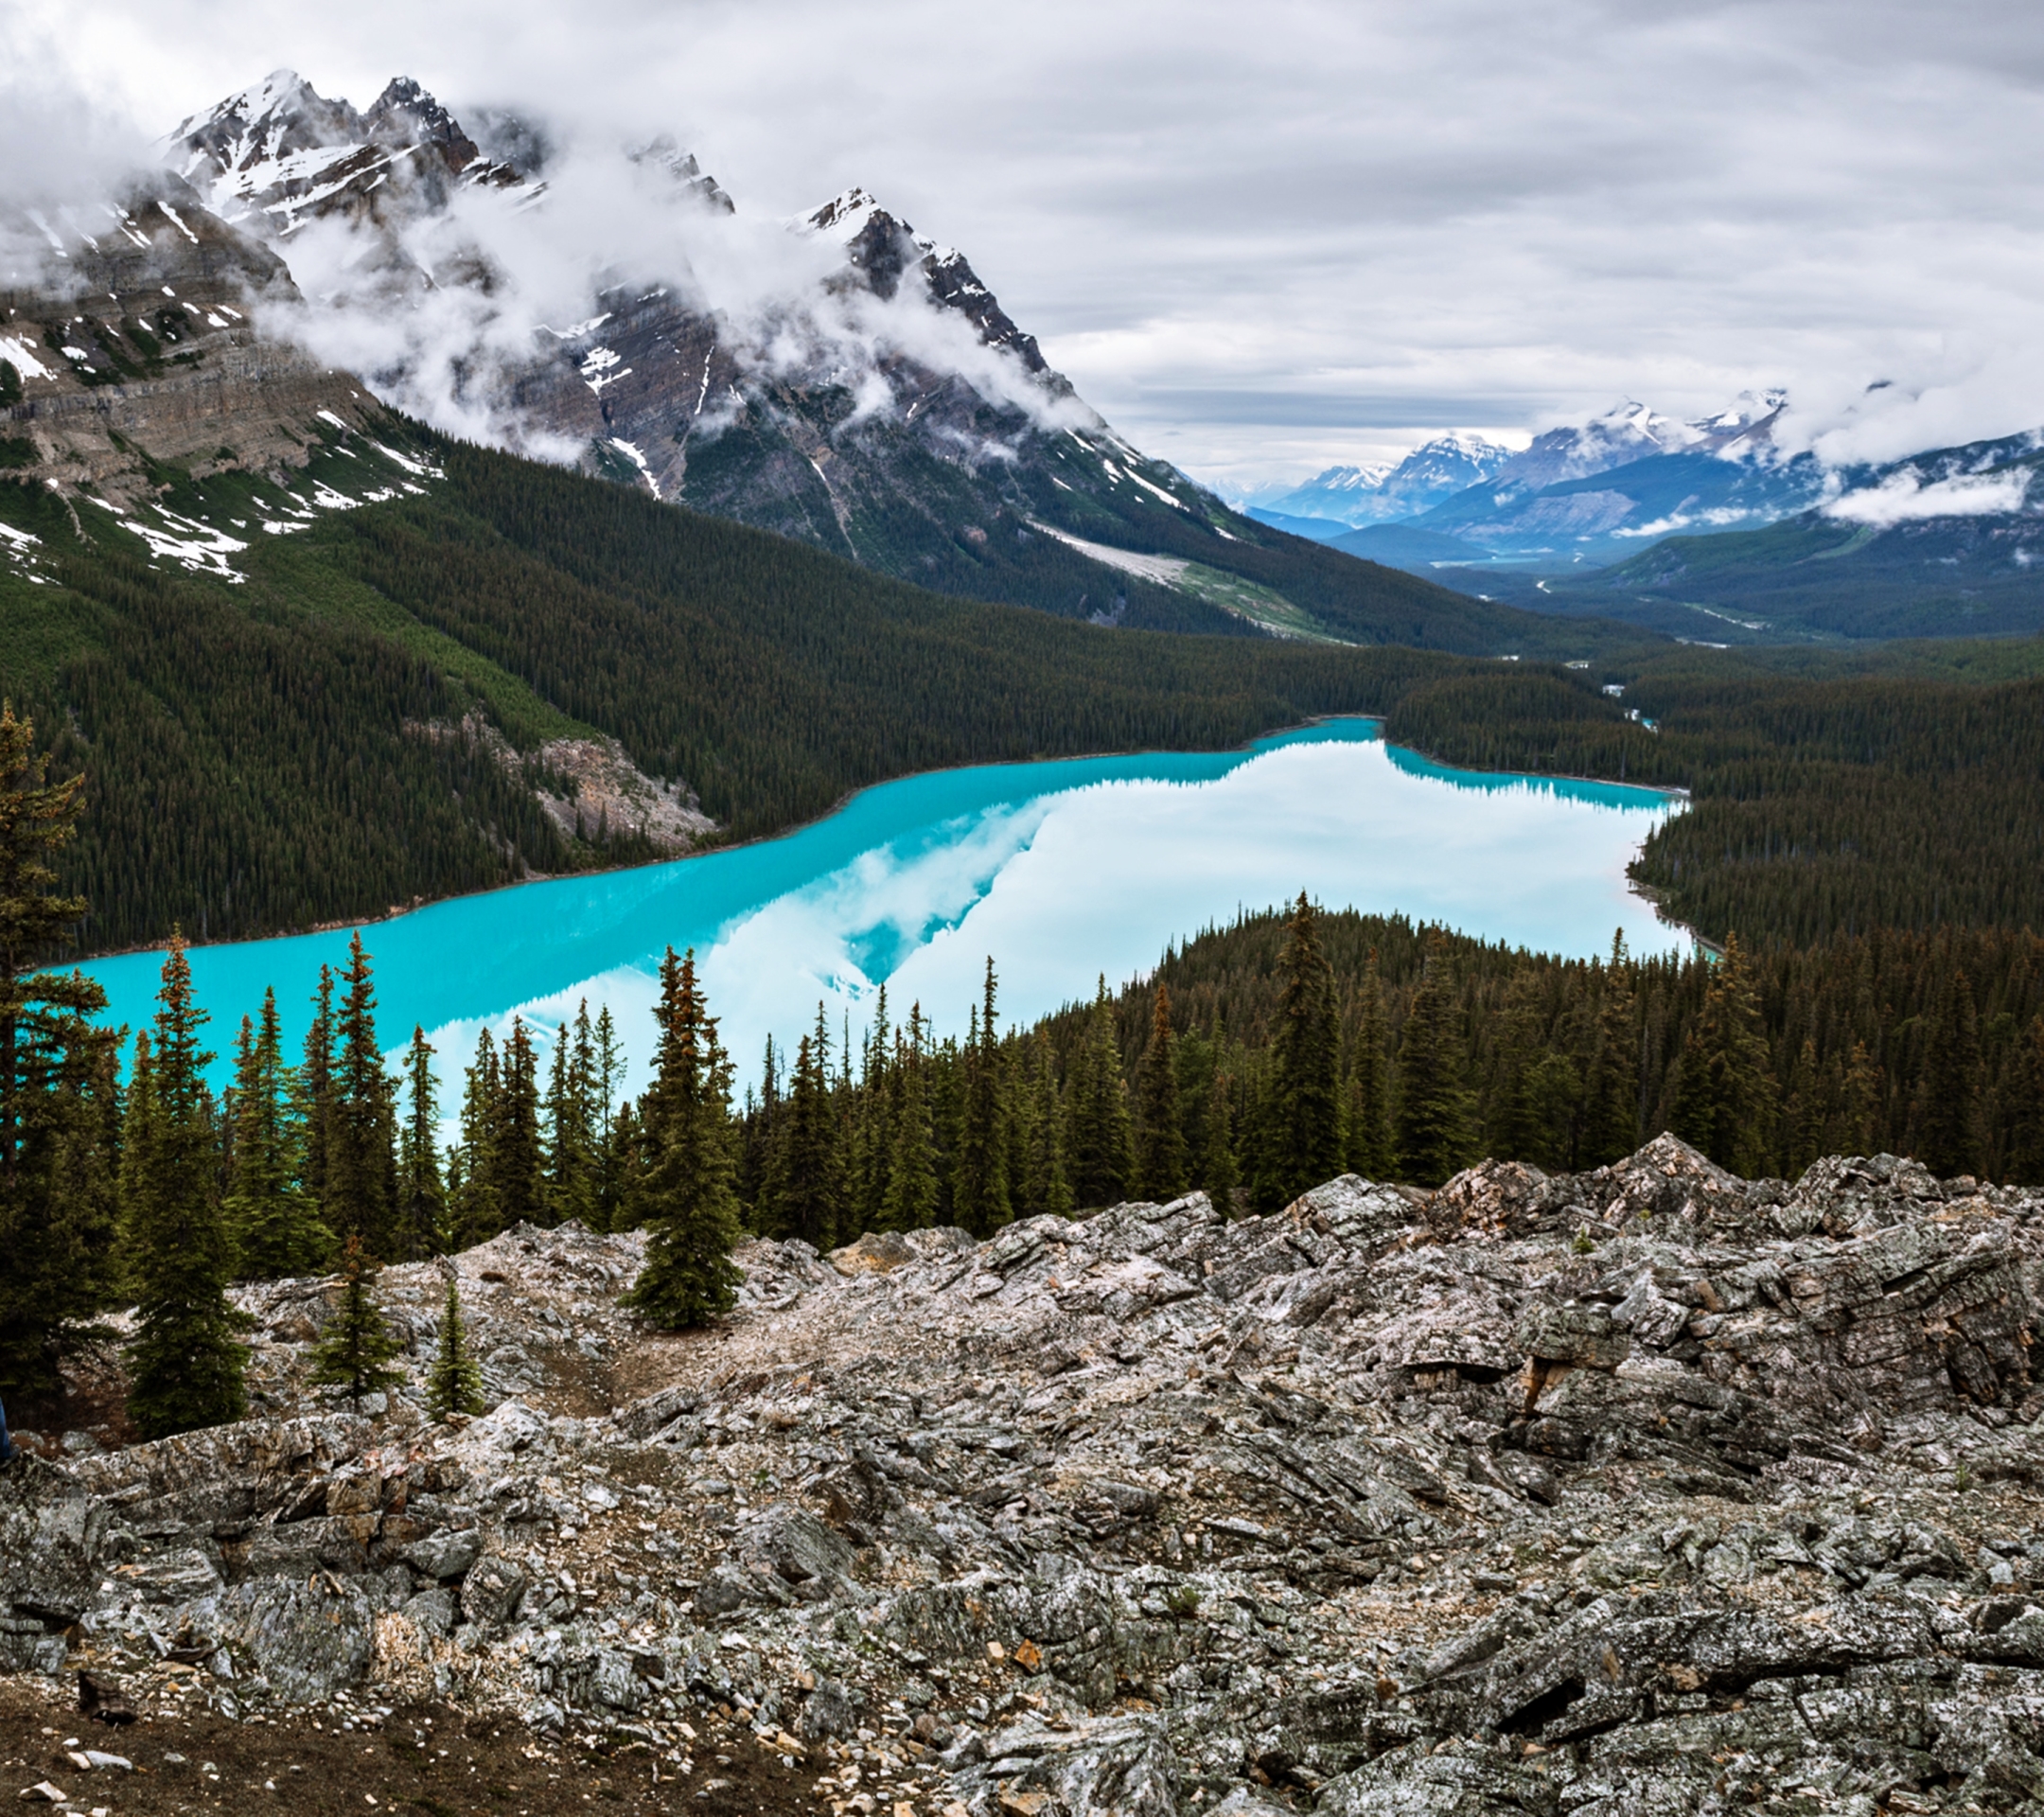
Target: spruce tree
x: 185, y: 1366
x: 912, y: 1199
x: 312, y: 1100
x: 690, y: 1206
x: 1097, y: 1124
x: 813, y: 1190
x: 1306, y: 1060
x: 1610, y: 1112
x: 421, y: 1193
x: 605, y: 1074
x: 276, y: 1230
x: 1436, y: 1107
x: 59, y: 1096
x: 566, y: 1140
x: 1724, y: 1088
x: 1045, y: 1188
x: 982, y: 1192
x: 1369, y: 1149
x: 1948, y: 1110
x: 455, y: 1383
x: 517, y: 1159
x: 361, y: 1162
x: 1160, y: 1150
x: 355, y: 1349
x: 473, y: 1212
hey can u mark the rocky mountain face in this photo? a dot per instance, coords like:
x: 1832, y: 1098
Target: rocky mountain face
x: 134, y: 342
x: 1647, y: 1489
x: 1430, y: 475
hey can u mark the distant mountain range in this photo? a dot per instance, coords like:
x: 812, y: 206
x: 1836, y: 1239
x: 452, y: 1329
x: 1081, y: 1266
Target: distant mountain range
x: 1345, y: 496
x: 839, y: 378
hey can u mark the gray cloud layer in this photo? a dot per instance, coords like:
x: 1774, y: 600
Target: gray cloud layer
x: 1260, y: 239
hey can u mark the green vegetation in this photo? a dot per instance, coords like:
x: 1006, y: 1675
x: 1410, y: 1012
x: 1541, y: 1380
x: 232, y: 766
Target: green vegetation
x: 1818, y: 808
x: 454, y: 1385
x: 357, y: 723
x: 356, y: 1349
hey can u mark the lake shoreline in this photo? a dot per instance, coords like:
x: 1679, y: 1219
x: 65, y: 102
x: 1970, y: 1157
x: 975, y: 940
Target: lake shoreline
x: 399, y: 912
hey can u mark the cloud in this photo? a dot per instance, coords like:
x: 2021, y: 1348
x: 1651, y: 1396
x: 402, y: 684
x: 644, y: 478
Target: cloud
x: 1326, y: 237
x: 1903, y: 498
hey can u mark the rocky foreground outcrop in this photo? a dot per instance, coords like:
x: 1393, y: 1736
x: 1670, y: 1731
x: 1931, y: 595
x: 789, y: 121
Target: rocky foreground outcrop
x: 1647, y: 1489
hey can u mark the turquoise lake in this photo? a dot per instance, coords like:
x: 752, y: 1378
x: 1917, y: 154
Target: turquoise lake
x: 1060, y: 871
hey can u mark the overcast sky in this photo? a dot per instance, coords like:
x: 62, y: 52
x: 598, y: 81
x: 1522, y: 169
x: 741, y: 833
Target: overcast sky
x: 1264, y: 238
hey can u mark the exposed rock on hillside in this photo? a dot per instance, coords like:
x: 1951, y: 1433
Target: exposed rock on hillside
x: 1638, y: 1490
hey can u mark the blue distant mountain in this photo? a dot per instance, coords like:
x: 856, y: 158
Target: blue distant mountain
x: 1350, y: 496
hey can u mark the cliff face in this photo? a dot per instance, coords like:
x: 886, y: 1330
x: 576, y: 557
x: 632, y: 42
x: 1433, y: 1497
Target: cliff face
x: 137, y: 345
x: 1627, y: 1491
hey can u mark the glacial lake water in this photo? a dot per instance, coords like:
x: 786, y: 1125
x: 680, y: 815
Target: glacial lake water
x: 1061, y: 871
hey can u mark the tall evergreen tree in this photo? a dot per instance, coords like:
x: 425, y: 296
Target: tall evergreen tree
x: 912, y: 1199
x: 690, y: 1207
x: 567, y: 1140
x: 276, y: 1229
x: 982, y: 1192
x: 312, y: 1100
x: 1948, y: 1110
x: 185, y: 1366
x: 1306, y: 1062
x: 2026, y: 1158
x: 475, y: 1214
x: 58, y: 1098
x: 1436, y: 1107
x: 1611, y: 1087
x: 454, y: 1385
x: 356, y: 1349
x: 1161, y: 1148
x: 421, y: 1193
x: 361, y: 1162
x: 813, y: 1194
x: 1724, y: 1085
x: 1045, y: 1188
x: 1369, y: 1149
x: 606, y: 1075
x: 1097, y: 1141
x: 516, y: 1154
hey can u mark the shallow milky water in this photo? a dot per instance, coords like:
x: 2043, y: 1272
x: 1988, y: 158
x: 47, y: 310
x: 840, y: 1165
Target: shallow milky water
x: 1061, y: 871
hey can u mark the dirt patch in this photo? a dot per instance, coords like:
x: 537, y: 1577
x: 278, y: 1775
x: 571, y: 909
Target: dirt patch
x: 427, y: 1760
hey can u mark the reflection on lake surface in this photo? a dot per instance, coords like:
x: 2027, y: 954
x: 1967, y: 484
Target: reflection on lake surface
x: 1061, y: 871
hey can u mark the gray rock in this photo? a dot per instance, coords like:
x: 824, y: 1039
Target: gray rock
x: 307, y: 1640
x: 447, y: 1555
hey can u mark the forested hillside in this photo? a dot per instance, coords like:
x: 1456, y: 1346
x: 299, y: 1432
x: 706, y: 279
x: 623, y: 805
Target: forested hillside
x: 1819, y: 807
x: 353, y: 711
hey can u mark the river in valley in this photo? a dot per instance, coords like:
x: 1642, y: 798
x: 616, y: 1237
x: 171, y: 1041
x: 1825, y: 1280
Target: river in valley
x: 1061, y: 871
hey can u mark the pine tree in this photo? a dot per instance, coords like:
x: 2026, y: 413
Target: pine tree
x: 58, y: 1095
x: 1948, y: 1111
x: 1724, y: 1088
x: 605, y: 1074
x: 1610, y: 1087
x: 1436, y: 1107
x: 421, y: 1194
x: 355, y: 1349
x: 1096, y: 1114
x: 185, y: 1366
x: 1160, y: 1150
x: 911, y: 1196
x: 1044, y: 1188
x: 312, y: 1100
x: 474, y: 1212
x: 361, y: 1163
x: 566, y: 1139
x: 1369, y: 1081
x: 455, y: 1383
x: 517, y: 1163
x: 813, y: 1194
x: 1306, y: 1058
x: 690, y: 1206
x: 981, y: 1194
x: 276, y: 1232
x: 1217, y: 1179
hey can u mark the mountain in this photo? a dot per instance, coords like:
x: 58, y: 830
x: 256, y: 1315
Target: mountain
x: 1946, y: 543
x: 1430, y: 475
x: 879, y: 403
